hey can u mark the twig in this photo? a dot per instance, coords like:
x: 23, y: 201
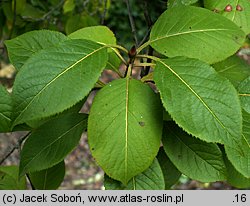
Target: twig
x: 145, y: 37
x: 16, y: 146
x: 104, y: 12
x: 46, y: 16
x: 146, y: 15
x: 132, y: 23
x: 14, y: 21
x: 149, y: 22
x: 32, y: 186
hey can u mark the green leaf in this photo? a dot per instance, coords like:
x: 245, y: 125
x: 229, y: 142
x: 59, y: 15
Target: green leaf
x: 148, y: 77
x: 239, y: 153
x: 32, y: 13
x: 68, y: 6
x: 234, y: 178
x: 244, y: 93
x: 50, y: 143
x: 73, y: 110
x: 172, y: 3
x: 170, y: 172
x: 5, y: 110
x: 233, y: 68
x: 202, y: 102
x: 78, y: 21
x: 23, y: 47
x: 93, y: 33
x: 166, y: 116
x: 77, y: 65
x: 239, y: 13
x: 246, y: 125
x: 48, y: 179
x: 151, y: 179
x: 124, y: 128
x: 9, y: 179
x: 197, y: 159
x: 113, y: 62
x: 197, y: 33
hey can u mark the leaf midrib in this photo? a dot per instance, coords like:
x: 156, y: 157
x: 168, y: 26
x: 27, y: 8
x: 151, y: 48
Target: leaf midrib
x: 187, y: 32
x: 45, y: 179
x: 234, y: 11
x: 49, y: 145
x: 5, y: 117
x: 55, y: 78
x: 244, y: 94
x: 191, y: 89
x: 126, y: 129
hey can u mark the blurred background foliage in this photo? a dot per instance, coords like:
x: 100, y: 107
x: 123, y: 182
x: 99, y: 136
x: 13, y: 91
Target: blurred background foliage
x: 67, y: 16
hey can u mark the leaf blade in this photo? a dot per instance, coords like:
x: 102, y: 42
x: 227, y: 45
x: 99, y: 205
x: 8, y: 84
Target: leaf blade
x: 244, y: 93
x: 48, y: 179
x: 199, y: 36
x: 196, y: 159
x: 93, y: 33
x: 135, y: 130
x: 50, y: 143
x: 77, y: 66
x: 170, y: 172
x: 234, y: 69
x: 150, y: 179
x: 234, y: 177
x: 240, y: 16
x: 239, y: 153
x: 9, y: 178
x: 5, y: 110
x: 21, y: 48
x: 188, y: 86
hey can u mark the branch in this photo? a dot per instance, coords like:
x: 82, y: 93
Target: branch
x: 32, y: 186
x: 146, y: 15
x: 150, y: 49
x: 47, y: 15
x: 14, y: 21
x: 104, y: 12
x: 132, y: 23
x: 16, y: 146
